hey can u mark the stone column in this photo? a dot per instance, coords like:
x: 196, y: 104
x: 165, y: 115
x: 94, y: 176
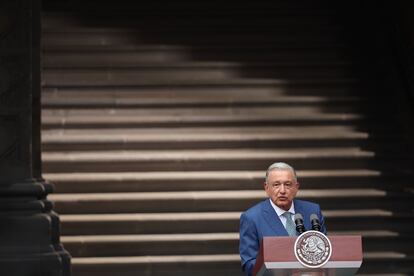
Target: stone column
x: 29, y: 229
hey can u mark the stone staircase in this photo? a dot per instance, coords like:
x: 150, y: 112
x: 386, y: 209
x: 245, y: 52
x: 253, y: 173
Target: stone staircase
x: 159, y: 120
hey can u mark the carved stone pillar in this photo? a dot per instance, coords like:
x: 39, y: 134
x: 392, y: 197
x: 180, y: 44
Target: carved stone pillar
x: 29, y: 229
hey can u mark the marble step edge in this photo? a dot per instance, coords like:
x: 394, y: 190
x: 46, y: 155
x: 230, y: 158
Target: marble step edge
x: 233, y: 258
x: 189, y: 237
x: 222, y: 216
x: 179, y: 196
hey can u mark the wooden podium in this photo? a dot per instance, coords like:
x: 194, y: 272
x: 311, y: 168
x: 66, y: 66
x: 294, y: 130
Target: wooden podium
x: 277, y: 258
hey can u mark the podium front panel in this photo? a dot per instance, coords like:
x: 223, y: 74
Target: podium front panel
x: 277, y: 257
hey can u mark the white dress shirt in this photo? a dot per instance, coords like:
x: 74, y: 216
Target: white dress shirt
x: 280, y: 212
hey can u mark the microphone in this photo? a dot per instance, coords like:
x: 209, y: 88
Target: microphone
x: 299, y: 223
x: 316, y: 225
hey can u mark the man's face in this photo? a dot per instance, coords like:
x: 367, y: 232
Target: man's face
x: 281, y: 188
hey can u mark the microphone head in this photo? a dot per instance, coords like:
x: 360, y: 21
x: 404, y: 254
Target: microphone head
x: 298, y: 217
x: 315, y: 222
x: 314, y: 217
x: 300, y: 228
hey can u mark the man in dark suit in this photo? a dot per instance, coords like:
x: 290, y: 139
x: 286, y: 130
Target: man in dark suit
x: 274, y: 216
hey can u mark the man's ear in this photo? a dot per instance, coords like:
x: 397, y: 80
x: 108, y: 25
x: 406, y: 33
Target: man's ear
x: 297, y: 185
x: 264, y: 185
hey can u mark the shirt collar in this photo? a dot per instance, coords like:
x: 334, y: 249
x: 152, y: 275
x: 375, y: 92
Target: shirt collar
x: 280, y: 211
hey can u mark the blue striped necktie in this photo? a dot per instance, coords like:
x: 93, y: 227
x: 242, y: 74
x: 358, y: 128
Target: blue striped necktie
x: 290, y: 225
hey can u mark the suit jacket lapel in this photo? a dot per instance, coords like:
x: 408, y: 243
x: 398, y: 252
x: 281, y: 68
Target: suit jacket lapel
x: 273, y: 219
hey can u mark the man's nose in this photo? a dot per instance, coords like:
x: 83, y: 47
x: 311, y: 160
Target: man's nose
x: 282, y: 188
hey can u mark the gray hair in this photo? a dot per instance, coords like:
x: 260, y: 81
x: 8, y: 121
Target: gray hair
x: 281, y: 166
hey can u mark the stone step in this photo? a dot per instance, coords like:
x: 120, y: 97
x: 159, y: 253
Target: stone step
x: 70, y: 143
x: 220, y: 265
x: 230, y: 132
x: 211, y: 17
x: 387, y: 261
x: 99, y: 22
x: 199, y: 77
x: 208, y: 116
x: 363, y: 220
x: 313, y: 110
x: 176, y: 75
x: 215, y: 159
x: 149, y: 223
x: 201, y: 243
x: 62, y: 140
x: 112, y: 182
x: 190, y: 38
x: 194, y: 5
x: 152, y: 24
x: 67, y: 62
x: 287, y: 50
x: 202, y: 138
x: 199, y: 94
x: 206, y: 133
x: 78, y: 100
x: 201, y: 265
x: 219, y: 159
x: 160, y: 54
x: 188, y: 7
x: 174, y: 35
x: 355, y: 220
x: 166, y: 121
x: 215, y: 201
x: 144, y: 245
